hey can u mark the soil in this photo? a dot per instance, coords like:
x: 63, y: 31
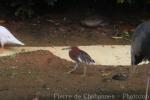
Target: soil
x: 40, y: 75
x: 66, y: 29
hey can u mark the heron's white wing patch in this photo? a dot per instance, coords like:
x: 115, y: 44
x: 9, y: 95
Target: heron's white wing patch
x: 79, y: 59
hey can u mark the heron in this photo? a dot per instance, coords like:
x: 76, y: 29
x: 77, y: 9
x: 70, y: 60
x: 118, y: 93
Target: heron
x: 80, y: 57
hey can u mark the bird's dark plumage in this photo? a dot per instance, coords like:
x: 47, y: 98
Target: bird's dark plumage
x: 140, y: 45
x: 80, y: 56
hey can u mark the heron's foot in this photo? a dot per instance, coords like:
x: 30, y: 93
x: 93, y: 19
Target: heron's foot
x: 83, y: 75
x: 69, y: 72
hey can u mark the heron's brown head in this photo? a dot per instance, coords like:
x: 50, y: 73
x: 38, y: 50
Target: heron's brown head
x: 74, y: 48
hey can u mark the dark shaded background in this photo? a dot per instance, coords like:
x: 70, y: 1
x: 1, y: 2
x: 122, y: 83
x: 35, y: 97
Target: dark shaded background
x: 31, y: 8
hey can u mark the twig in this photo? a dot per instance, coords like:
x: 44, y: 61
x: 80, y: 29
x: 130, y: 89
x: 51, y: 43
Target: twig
x: 1, y: 90
x: 147, y: 86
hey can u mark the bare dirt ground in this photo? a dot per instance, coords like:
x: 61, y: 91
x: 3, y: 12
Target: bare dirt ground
x: 64, y: 30
x: 42, y: 75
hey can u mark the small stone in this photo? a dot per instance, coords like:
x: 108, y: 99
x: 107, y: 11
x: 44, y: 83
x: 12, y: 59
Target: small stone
x: 120, y: 77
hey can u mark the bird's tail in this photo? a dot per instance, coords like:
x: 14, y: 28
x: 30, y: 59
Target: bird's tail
x: 16, y: 41
x: 92, y: 61
x: 20, y: 43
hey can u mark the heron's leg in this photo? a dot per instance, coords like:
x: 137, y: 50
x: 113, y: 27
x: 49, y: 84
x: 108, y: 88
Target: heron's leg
x: 73, y: 69
x: 84, y: 71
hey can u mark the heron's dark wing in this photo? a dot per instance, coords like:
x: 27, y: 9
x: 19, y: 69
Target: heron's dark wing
x: 85, y: 58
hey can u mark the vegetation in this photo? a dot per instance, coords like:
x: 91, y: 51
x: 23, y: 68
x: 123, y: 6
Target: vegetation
x: 27, y: 8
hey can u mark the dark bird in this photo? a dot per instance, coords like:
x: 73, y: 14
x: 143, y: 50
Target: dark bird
x: 79, y: 56
x: 140, y: 44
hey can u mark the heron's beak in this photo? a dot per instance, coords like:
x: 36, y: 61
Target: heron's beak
x: 66, y: 48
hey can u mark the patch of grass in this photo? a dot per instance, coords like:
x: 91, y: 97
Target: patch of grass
x: 125, y: 35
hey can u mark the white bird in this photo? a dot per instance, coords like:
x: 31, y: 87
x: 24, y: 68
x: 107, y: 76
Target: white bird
x: 6, y: 37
